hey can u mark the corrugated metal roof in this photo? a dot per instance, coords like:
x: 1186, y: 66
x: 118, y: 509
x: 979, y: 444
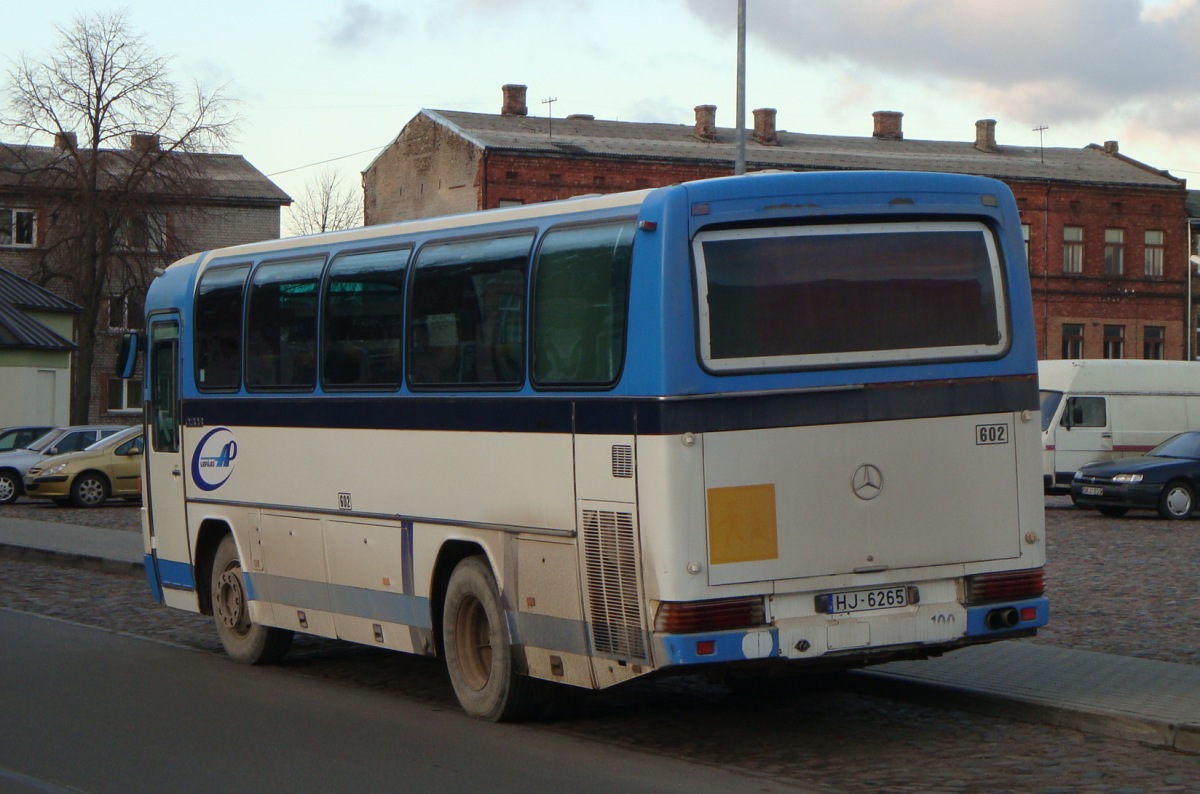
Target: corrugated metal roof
x: 229, y: 177
x: 797, y: 151
x: 19, y: 330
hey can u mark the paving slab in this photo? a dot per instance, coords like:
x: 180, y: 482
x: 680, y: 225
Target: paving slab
x: 1144, y: 700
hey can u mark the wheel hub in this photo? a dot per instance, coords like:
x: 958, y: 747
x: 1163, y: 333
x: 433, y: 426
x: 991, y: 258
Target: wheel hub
x: 230, y: 603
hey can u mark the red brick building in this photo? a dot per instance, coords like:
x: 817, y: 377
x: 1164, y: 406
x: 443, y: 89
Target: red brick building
x: 1108, y: 237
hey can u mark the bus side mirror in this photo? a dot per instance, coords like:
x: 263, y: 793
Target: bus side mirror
x: 127, y: 354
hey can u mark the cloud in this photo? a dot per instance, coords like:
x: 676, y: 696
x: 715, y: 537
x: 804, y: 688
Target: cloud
x: 1066, y: 60
x: 360, y: 24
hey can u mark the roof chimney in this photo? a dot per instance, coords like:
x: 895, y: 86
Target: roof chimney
x: 764, y: 127
x: 887, y: 125
x: 143, y: 143
x: 1111, y: 147
x: 706, y: 122
x: 985, y: 135
x: 514, y: 101
x: 66, y: 141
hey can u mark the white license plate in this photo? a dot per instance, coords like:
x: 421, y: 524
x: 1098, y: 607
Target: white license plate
x: 1091, y: 490
x: 864, y: 600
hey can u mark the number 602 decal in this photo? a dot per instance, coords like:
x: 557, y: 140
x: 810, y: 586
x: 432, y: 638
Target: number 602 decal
x: 991, y: 434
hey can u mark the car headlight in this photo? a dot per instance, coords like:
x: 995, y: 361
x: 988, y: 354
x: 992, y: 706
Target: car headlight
x: 1128, y: 478
x: 54, y: 469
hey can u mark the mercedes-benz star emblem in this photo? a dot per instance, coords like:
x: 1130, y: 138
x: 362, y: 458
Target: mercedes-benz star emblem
x: 867, y: 482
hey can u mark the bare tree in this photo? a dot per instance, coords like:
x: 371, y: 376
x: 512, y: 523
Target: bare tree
x: 125, y: 136
x: 326, y: 206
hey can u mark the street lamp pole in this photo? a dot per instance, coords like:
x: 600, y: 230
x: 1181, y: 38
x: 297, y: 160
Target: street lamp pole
x: 739, y: 165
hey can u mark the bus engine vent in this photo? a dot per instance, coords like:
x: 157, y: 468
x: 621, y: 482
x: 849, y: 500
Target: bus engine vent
x: 622, y: 460
x: 609, y: 548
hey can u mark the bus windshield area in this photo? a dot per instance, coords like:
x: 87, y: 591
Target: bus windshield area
x: 845, y: 294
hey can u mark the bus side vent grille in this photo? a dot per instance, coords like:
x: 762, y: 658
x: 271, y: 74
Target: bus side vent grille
x: 609, y: 548
x: 622, y: 460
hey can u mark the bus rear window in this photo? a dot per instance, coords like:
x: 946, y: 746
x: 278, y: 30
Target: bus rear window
x: 849, y: 294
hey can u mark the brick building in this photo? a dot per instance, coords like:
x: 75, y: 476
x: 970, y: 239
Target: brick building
x: 235, y: 204
x: 1108, y: 237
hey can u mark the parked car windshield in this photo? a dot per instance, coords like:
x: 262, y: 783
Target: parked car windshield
x: 1184, y: 445
x: 115, y: 438
x: 1050, y: 401
x: 47, y: 441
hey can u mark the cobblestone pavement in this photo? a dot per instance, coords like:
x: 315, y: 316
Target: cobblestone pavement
x: 1116, y: 586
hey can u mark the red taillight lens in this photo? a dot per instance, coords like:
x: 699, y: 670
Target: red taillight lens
x: 1005, y: 586
x: 689, y: 617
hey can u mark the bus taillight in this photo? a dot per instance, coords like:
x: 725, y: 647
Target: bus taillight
x: 1005, y: 586
x: 689, y: 617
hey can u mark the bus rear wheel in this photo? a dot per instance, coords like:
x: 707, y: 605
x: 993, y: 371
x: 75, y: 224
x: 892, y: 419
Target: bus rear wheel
x: 478, y: 648
x: 244, y: 640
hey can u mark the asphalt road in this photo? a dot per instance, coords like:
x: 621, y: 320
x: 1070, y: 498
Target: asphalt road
x: 93, y: 711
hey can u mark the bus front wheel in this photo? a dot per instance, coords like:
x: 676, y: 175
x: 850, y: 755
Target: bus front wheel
x: 478, y: 647
x: 244, y: 640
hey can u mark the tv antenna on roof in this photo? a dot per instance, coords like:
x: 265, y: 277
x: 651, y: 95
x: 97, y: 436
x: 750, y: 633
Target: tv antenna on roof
x: 550, y: 112
x: 1039, y: 129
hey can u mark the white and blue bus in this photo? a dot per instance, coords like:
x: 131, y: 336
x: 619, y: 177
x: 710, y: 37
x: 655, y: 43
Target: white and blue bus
x: 776, y: 420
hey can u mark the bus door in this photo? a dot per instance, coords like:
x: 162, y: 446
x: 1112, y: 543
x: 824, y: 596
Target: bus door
x: 166, y: 523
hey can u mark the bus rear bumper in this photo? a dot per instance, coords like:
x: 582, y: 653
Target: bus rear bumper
x: 924, y: 631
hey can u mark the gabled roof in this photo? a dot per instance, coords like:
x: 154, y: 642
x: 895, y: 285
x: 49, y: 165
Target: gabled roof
x: 17, y: 329
x: 230, y: 178
x: 796, y: 151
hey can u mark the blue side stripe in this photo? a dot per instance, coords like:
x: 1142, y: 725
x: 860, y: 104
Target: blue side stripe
x: 179, y: 575
x: 358, y: 602
x: 148, y: 565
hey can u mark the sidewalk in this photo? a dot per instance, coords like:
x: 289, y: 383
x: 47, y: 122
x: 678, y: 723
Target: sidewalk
x: 1152, y: 702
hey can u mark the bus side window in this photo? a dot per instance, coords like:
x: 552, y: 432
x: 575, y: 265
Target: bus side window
x: 281, y: 325
x: 580, y: 293
x: 466, y: 324
x: 219, y: 328
x: 363, y: 320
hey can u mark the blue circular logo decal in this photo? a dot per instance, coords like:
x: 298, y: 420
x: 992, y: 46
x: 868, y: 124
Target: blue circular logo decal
x: 212, y: 462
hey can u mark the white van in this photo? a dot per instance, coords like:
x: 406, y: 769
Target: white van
x: 1103, y: 409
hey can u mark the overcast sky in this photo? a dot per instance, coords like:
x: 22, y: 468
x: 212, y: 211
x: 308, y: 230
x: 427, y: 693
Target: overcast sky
x: 337, y: 80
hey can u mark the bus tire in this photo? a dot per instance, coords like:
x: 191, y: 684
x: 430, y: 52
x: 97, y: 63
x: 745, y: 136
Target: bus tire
x: 1177, y: 500
x: 478, y: 647
x: 244, y: 640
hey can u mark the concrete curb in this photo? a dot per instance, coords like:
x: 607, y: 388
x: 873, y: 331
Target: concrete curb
x: 1145, y: 729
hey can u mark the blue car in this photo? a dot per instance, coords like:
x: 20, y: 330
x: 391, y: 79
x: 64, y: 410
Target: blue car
x: 1166, y: 479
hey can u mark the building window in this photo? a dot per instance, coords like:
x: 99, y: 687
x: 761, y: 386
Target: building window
x: 509, y: 203
x: 124, y: 395
x: 1025, y: 236
x: 146, y: 232
x: 1153, y: 338
x: 1114, y: 341
x: 17, y: 227
x: 126, y: 312
x: 1072, y: 249
x: 1072, y: 340
x: 1114, y: 252
x: 1154, y: 253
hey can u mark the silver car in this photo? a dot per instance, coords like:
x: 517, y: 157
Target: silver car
x: 15, y: 463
